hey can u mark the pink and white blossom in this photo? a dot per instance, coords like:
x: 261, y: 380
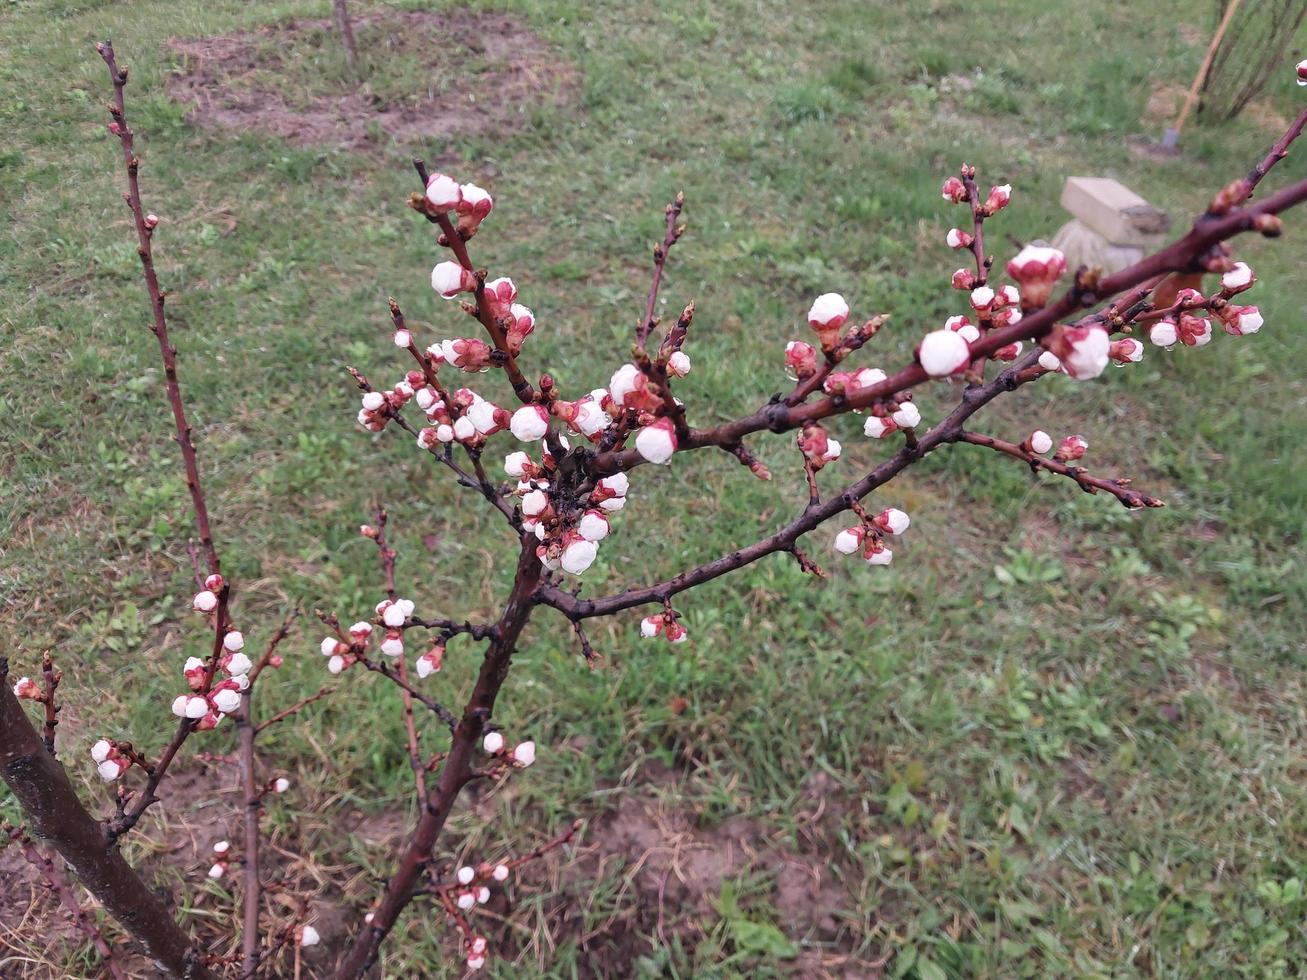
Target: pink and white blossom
x: 443, y: 192
x: 530, y: 422
x: 943, y: 352
x: 657, y: 442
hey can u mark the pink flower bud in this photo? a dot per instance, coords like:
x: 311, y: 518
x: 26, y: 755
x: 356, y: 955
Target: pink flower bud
x: 998, y: 198
x: 1239, y: 321
x: 493, y: 743
x: 214, y: 582
x: 331, y: 646
x: 849, y: 540
x: 226, y: 700
x: 943, y: 352
x: 1039, y: 442
x: 28, y: 689
x: 954, y: 190
x: 530, y: 422
x: 1195, y: 331
x: 1126, y: 351
x: 205, y: 602
x: 443, y: 193
x: 1082, y: 350
x: 393, y: 644
x: 524, y: 754
x: 651, y: 626
x: 657, y: 442
x: 1072, y: 448
x: 474, y: 208
x: 800, y: 359
x: 449, y: 279
x: 878, y: 428
x: 906, y: 416
x: 963, y: 279
x: 826, y: 316
x: 151, y: 221
x: 892, y: 521
x: 373, y: 401
x: 875, y: 552
x: 237, y: 665
x: 1301, y: 71
x: 361, y: 630
x: 1037, y: 268
x: 959, y: 239
x: 1009, y: 353
x: 678, y: 364
x: 475, y: 962
x: 430, y: 662
x: 982, y: 299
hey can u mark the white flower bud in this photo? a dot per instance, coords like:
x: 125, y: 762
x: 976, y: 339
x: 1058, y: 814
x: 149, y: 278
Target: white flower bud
x: 205, y: 601
x: 1240, y: 277
x: 877, y: 428
x: 197, y: 707
x: 848, y: 541
x: 336, y: 664
x: 373, y: 401
x: 943, y: 352
x: 618, y: 483
x: 464, y: 429
x: 226, y: 700
x: 515, y: 464
x: 309, y: 936
x: 101, y: 749
x: 443, y: 192
x: 579, y: 555
x: 1050, y: 361
x: 623, y: 382
x: 217, y: 870
x: 394, y: 616
x: 529, y: 423
x: 449, y: 279
x: 882, y: 557
x: 221, y: 847
x: 894, y: 520
x: 238, y: 665
x: 593, y: 526
x: 657, y: 442
x: 280, y: 784
x: 466, y: 900
x: 524, y: 753
x: 907, y: 415
x: 493, y: 743
x: 1040, y: 442
x: 483, y: 895
x: 465, y: 875
x: 179, y: 704
x: 828, y: 310
x: 534, y: 503
x: 393, y: 645
x: 678, y: 364
x: 500, y: 874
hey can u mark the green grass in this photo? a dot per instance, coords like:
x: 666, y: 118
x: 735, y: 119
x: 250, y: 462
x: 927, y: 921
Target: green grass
x: 1057, y: 739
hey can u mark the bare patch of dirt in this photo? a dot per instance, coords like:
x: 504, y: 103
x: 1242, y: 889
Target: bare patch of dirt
x: 477, y: 73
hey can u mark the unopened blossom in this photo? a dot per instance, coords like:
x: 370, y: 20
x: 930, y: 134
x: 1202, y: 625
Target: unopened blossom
x: 1194, y: 331
x: 443, y: 192
x: 535, y: 503
x: 237, y: 664
x: 1050, y: 361
x: 473, y: 208
x: 957, y: 238
x: 678, y: 364
x: 522, y: 323
x: 892, y: 521
x: 963, y: 279
x: 523, y: 754
x: 530, y: 422
x: 393, y: 644
x: 954, y: 190
x: 465, y: 875
x: 361, y: 630
x: 878, y: 428
x: 373, y: 401
x: 465, y: 430
x: 469, y: 354
x: 963, y: 326
x: 589, y: 418
x: 1037, y: 268
x: 998, y: 197
x: 629, y: 388
x: 1238, y: 279
x: 657, y: 442
x: 431, y: 661
x: 225, y: 699
x: 1300, y: 71
x: 109, y: 762
x: 1082, y: 350
x: 28, y: 689
x: 338, y: 663
x: 943, y: 352
x: 493, y: 743
x: 651, y: 626
x: 1126, y: 351
x: 1039, y: 442
x: 280, y: 785
x: 499, y: 874
x: 233, y: 641
x: 1007, y: 295
x: 615, y: 485
x: 217, y: 869
x: 578, y: 555
x: 1239, y: 321
x: 906, y: 416
x: 849, y: 540
x: 500, y: 296
x: 875, y: 552
x: 800, y: 359
x: 191, y: 706
x: 466, y: 899
x: 395, y: 614
x: 826, y: 316
x: 482, y: 895
x: 1072, y: 448
x: 1008, y: 353
x: 476, y: 961
x: 817, y: 447
x: 331, y: 646
x: 674, y: 632
x: 518, y: 465
x: 487, y: 417
x: 309, y: 936
x: 403, y: 339
x: 982, y: 298
x: 449, y: 279
x: 593, y: 525
x: 205, y: 601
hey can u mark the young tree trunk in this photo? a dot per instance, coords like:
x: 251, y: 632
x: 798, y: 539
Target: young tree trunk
x: 56, y: 816
x: 340, y: 13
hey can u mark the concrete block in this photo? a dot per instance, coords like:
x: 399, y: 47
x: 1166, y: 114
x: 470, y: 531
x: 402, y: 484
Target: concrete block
x: 1114, y: 211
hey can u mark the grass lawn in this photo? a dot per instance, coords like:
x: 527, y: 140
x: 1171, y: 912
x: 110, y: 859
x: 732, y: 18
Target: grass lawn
x: 1053, y: 739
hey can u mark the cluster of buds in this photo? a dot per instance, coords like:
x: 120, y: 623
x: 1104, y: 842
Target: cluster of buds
x: 379, y: 407
x: 1081, y: 352
x: 569, y: 536
x: 519, y: 756
x: 869, y: 536
x: 110, y: 761
x: 471, y: 203
x: 469, y: 354
x: 209, y: 702
x: 221, y: 859
x: 586, y: 416
x: 666, y: 624
x: 884, y: 420
x: 955, y: 191
x: 206, y: 600
x: 851, y: 382
x: 817, y: 447
x: 342, y: 655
